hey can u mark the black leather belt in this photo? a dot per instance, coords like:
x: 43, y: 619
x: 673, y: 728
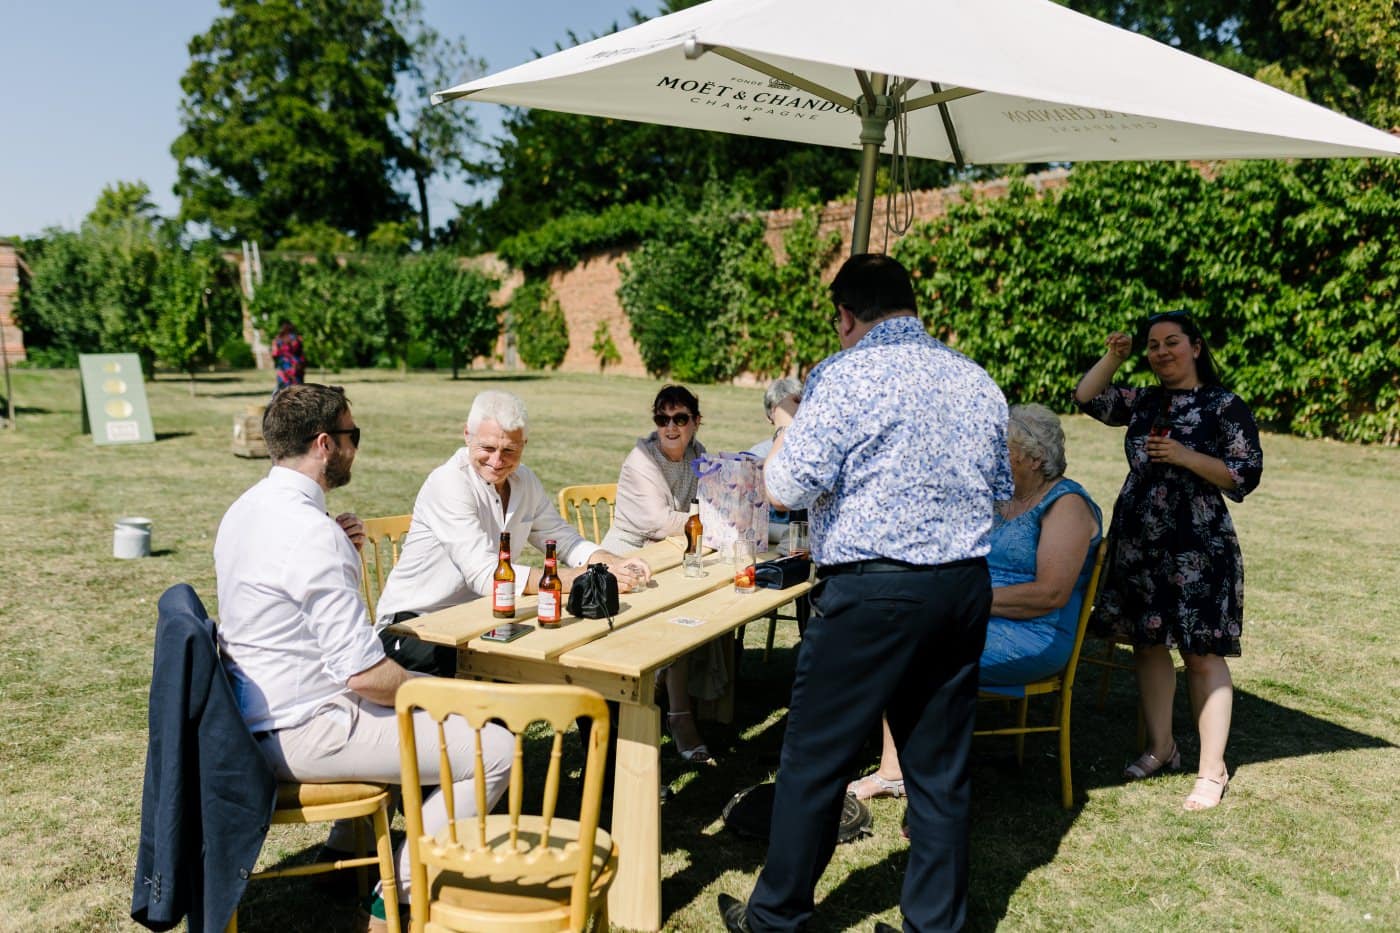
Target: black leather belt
x: 885, y: 565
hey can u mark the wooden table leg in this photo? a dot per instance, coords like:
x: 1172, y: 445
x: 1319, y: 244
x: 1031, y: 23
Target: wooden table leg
x: 635, y: 899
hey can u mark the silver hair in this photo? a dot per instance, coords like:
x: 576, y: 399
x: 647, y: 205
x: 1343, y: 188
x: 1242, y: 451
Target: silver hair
x: 1035, y: 431
x: 778, y: 390
x: 501, y: 407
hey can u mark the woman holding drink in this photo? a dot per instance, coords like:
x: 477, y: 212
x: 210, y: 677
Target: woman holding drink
x: 1174, y: 577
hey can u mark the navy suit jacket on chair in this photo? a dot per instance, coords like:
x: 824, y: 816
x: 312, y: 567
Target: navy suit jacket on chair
x: 209, y: 794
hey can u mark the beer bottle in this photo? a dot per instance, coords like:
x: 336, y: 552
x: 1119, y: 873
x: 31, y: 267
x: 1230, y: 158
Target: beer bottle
x: 551, y: 589
x: 1162, y: 423
x: 694, y: 531
x: 503, y: 583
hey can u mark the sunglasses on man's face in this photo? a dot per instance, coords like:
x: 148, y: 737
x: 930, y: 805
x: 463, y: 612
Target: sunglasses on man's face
x: 680, y: 419
x: 353, y: 432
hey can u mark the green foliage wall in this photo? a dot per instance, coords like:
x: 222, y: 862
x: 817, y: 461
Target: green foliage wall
x: 1291, y: 269
x: 449, y: 307
x: 684, y: 293
x: 541, y: 332
x: 118, y: 288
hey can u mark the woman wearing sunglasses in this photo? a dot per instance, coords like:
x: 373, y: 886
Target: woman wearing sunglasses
x: 1174, y: 578
x: 654, y: 491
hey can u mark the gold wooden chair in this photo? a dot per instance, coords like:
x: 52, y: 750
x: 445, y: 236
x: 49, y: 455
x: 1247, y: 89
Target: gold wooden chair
x: 383, y: 538
x: 322, y: 803
x: 508, y: 871
x: 577, y: 503
x: 1107, y: 659
x: 1061, y: 684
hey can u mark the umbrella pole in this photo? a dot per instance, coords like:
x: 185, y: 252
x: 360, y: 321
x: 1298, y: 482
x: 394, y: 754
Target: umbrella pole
x: 875, y: 115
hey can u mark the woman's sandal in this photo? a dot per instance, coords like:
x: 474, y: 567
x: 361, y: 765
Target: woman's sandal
x: 698, y: 754
x: 1206, y: 794
x: 873, y: 785
x: 1149, y: 764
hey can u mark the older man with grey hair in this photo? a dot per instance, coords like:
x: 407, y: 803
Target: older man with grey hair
x: 450, y: 553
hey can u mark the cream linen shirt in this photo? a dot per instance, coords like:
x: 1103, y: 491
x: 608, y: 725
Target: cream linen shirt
x: 292, y: 623
x: 450, y: 553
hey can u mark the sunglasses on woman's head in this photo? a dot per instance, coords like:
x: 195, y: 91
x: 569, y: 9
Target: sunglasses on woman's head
x: 1180, y: 314
x: 680, y: 419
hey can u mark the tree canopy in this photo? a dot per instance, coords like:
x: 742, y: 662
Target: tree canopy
x: 288, y: 119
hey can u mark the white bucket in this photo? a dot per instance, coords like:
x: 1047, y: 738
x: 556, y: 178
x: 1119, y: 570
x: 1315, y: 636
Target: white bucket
x: 131, y: 538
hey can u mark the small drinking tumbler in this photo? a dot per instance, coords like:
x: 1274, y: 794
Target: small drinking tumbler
x: 799, y: 543
x: 694, y: 565
x: 744, y: 567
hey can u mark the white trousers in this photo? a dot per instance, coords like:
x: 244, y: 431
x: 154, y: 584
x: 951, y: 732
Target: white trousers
x: 351, y: 739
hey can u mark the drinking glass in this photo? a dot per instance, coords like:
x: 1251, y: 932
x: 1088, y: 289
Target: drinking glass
x: 744, y: 567
x: 694, y: 565
x: 799, y: 542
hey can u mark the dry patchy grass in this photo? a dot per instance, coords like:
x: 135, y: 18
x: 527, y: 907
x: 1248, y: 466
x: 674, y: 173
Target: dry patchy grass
x: 1306, y: 838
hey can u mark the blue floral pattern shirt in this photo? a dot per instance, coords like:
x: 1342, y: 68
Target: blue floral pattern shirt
x: 898, y: 449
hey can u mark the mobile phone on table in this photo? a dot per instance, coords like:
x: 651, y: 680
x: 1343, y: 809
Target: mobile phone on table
x: 510, y: 631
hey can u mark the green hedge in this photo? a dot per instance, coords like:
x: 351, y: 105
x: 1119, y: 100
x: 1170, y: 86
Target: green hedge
x: 1291, y: 269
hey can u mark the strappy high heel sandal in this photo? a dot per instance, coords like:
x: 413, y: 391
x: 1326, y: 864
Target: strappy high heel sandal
x: 873, y: 785
x: 1206, y: 794
x: 695, y: 754
x: 1149, y: 764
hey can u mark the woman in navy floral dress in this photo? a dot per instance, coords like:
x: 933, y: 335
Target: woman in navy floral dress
x: 1174, y: 577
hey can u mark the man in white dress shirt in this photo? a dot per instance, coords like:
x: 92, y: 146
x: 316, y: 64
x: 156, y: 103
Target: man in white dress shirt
x: 310, y: 675
x: 450, y: 553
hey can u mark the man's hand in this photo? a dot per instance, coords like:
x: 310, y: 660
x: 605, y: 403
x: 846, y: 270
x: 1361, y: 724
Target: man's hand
x: 379, y: 683
x: 632, y: 572
x: 352, y: 526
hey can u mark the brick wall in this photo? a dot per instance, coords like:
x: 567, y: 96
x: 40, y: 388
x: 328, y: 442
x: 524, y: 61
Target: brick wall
x: 587, y: 293
x: 10, y: 266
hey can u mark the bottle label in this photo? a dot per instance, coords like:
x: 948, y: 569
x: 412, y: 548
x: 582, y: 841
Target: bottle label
x: 548, y: 607
x: 503, y: 596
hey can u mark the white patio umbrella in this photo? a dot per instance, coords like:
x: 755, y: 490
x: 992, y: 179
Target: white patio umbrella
x: 985, y: 81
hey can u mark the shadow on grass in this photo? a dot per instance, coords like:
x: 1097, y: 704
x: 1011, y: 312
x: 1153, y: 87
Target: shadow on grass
x: 487, y: 375
x: 1017, y: 820
x: 172, y: 435
x: 246, y: 393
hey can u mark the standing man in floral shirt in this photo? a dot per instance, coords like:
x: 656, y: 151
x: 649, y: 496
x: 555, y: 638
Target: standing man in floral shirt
x: 899, y: 451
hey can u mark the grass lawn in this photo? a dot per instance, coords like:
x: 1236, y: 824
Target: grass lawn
x: 1306, y: 839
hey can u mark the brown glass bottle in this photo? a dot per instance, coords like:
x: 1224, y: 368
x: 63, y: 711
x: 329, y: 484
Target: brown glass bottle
x: 551, y: 589
x: 694, y: 531
x: 503, y: 583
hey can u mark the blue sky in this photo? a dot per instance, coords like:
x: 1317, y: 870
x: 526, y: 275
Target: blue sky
x: 90, y: 91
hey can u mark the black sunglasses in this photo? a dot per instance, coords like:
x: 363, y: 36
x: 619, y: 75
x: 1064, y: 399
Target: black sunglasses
x: 680, y: 419
x: 353, y: 432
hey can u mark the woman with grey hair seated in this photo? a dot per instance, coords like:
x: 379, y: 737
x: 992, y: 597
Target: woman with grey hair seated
x: 1043, y: 540
x: 778, y: 391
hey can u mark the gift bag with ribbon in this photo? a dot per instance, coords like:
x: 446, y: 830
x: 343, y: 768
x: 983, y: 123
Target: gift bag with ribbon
x: 732, y: 506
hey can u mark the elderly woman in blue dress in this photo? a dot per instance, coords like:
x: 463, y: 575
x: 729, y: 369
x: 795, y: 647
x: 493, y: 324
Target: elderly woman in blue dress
x: 1042, y: 547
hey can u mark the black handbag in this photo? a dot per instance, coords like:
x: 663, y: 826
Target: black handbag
x: 594, y: 594
x: 782, y: 573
